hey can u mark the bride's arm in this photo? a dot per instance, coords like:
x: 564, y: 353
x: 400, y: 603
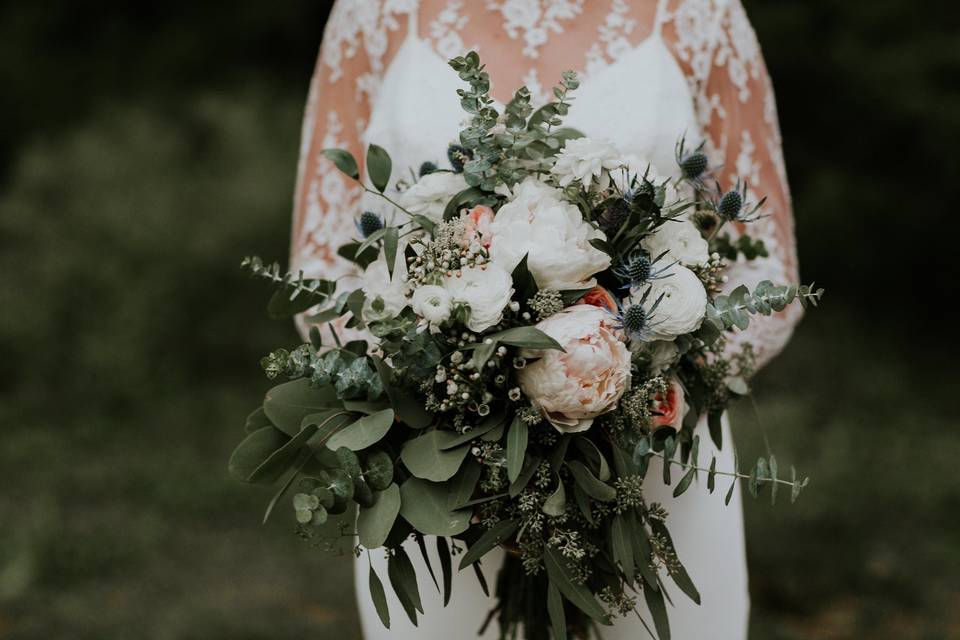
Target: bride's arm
x: 348, y: 69
x: 736, y: 105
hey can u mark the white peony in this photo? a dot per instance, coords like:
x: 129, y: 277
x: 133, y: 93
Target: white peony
x: 486, y: 290
x: 431, y: 193
x: 574, y: 386
x: 432, y: 303
x: 587, y: 161
x: 682, y: 308
x: 681, y: 240
x: 553, y: 235
x: 378, y: 285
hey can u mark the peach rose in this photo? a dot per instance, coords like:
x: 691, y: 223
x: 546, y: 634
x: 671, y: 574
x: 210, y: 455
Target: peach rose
x: 599, y: 297
x: 477, y: 222
x: 670, y: 409
x: 587, y: 379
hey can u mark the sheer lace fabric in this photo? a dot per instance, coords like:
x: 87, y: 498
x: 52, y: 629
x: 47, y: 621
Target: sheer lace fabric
x: 531, y: 42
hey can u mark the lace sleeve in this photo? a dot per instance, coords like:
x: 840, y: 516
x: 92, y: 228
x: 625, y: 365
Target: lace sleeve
x: 718, y: 48
x: 355, y: 45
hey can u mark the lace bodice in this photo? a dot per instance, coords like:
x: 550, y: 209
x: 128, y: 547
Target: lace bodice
x: 650, y: 70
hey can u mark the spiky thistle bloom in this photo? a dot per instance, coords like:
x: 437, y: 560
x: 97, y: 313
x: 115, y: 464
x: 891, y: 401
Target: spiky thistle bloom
x: 637, y: 269
x: 369, y: 223
x: 637, y: 320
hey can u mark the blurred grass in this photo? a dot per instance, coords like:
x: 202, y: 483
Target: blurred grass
x: 129, y: 338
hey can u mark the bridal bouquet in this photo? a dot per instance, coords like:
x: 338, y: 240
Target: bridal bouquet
x: 534, y: 326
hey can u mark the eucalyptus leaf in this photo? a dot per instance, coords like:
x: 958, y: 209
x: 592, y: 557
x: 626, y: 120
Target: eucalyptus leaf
x: 379, y: 167
x: 374, y: 523
x: 408, y: 406
x: 560, y: 575
x: 287, y: 404
x: 495, y: 535
x: 517, y: 438
x: 464, y: 483
x: 254, y: 450
x: 403, y: 579
x: 379, y: 597
x: 426, y: 457
x: 379, y: 472
x: 594, y: 457
x: 282, y: 459
x: 446, y: 568
x: 620, y: 538
x: 590, y: 484
x: 491, y: 422
x: 365, y: 432
x: 556, y: 503
x: 256, y: 420
x: 424, y: 505
x: 390, y: 240
x: 526, y: 337
x: 658, y: 609
x: 344, y: 161
x: 558, y: 621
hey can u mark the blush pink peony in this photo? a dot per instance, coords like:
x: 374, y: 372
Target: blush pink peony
x: 574, y: 386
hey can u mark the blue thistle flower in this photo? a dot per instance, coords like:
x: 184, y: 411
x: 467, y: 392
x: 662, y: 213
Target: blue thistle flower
x: 730, y: 205
x: 638, y: 269
x: 637, y: 320
x: 425, y: 168
x: 369, y: 223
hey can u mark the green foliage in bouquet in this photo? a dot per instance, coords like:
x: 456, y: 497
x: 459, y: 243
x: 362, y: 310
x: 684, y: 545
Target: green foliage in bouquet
x: 433, y: 423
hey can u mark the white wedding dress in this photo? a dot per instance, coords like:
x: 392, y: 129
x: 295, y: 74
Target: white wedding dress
x: 650, y: 72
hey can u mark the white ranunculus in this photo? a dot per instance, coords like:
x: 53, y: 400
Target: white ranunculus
x: 432, y: 303
x: 431, y: 193
x: 377, y: 284
x: 587, y: 379
x: 486, y: 290
x: 663, y: 355
x: 553, y: 235
x: 681, y: 240
x: 682, y: 307
x: 587, y: 161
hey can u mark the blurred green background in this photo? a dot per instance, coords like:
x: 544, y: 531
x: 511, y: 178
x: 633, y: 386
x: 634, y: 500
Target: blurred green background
x: 144, y: 151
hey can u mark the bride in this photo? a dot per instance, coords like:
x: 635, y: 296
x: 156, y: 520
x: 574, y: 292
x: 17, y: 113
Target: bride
x: 650, y: 70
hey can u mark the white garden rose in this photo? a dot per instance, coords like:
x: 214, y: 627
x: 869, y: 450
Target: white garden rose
x: 587, y: 161
x: 432, y: 303
x: 587, y: 379
x: 553, y: 235
x: 378, y: 285
x: 682, y: 308
x: 486, y: 290
x: 431, y: 193
x: 681, y: 240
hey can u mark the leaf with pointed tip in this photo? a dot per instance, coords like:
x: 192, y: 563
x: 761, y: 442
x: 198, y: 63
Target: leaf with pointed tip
x: 374, y: 524
x: 365, y: 432
x: 560, y: 575
x: 527, y: 338
x: 424, y: 505
x: 594, y: 457
x: 426, y: 458
x: 684, y: 483
x: 492, y: 537
x: 390, y: 241
x: 558, y: 620
x: 556, y: 503
x: 620, y: 538
x: 712, y: 475
x: 403, y: 578
x: 344, y: 161
x: 678, y: 572
x: 379, y: 167
x: 446, y: 568
x: 590, y: 484
x: 379, y: 597
x: 516, y: 447
x: 658, y: 610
